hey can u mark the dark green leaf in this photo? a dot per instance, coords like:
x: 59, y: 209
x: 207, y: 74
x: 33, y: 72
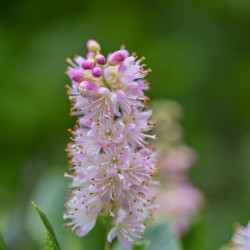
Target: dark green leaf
x: 51, y: 241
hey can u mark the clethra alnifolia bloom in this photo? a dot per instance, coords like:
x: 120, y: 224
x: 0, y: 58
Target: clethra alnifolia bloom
x: 112, y: 163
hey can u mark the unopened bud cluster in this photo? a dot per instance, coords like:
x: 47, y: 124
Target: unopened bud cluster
x: 111, y: 160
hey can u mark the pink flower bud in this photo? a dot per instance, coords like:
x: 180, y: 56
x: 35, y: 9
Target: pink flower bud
x: 126, y: 53
x: 79, y: 60
x: 90, y: 55
x: 103, y: 90
x: 76, y: 75
x: 97, y: 72
x: 88, y: 89
x: 93, y: 45
x: 100, y: 59
x: 121, y: 95
x: 130, y: 128
x: 116, y: 58
x: 88, y: 64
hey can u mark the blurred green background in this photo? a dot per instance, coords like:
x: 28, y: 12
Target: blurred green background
x: 199, y: 52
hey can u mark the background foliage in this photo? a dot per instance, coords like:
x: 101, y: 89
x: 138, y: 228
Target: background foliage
x: 200, y: 55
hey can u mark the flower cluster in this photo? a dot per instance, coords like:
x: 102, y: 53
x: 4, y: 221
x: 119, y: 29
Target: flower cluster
x: 241, y: 238
x: 112, y: 162
x: 178, y: 199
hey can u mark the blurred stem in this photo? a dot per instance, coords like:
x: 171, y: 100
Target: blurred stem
x: 108, y: 225
x: 107, y: 245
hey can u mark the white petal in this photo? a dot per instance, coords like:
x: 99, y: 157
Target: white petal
x: 112, y: 234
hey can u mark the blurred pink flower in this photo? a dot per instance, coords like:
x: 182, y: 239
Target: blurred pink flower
x: 178, y: 199
x: 177, y: 160
x: 179, y: 202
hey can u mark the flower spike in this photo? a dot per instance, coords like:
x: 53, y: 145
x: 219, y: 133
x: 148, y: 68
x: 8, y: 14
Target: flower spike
x: 112, y: 161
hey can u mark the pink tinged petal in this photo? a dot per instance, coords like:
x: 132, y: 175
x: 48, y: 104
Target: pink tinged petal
x: 92, y: 170
x: 95, y: 211
x: 84, y: 229
x: 114, y: 101
x: 132, y: 88
x: 121, y: 196
x: 127, y: 79
x: 112, y: 234
x: 114, y: 98
x: 106, y: 198
x: 121, y: 126
x: 120, y: 218
x: 145, y: 115
x: 140, y: 83
x: 97, y: 72
x: 129, y: 61
x: 95, y: 149
x: 122, y: 68
x: 78, y: 157
x: 93, y: 45
x: 90, y: 55
x: 121, y: 96
x: 85, y: 120
x: 88, y: 89
x: 116, y: 58
x: 91, y: 134
x: 76, y: 75
x: 132, y: 85
x: 147, y: 163
x: 121, y: 137
x: 126, y: 183
x: 125, y: 176
x: 121, y: 177
x: 126, y: 53
x: 103, y: 90
x: 123, y: 241
x: 88, y: 64
x: 125, y: 155
x: 81, y: 175
x: 79, y: 60
x: 111, y: 171
x: 103, y: 143
x: 130, y: 128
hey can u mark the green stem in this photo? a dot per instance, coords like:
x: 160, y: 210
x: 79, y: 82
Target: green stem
x: 108, y: 225
x: 107, y: 245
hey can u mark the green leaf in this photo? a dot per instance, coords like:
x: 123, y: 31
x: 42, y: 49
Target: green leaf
x: 51, y: 241
x: 162, y: 237
x: 2, y: 244
x: 141, y: 245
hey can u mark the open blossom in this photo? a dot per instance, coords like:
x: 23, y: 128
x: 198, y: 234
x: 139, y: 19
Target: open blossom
x: 127, y: 227
x: 241, y: 238
x: 112, y: 162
